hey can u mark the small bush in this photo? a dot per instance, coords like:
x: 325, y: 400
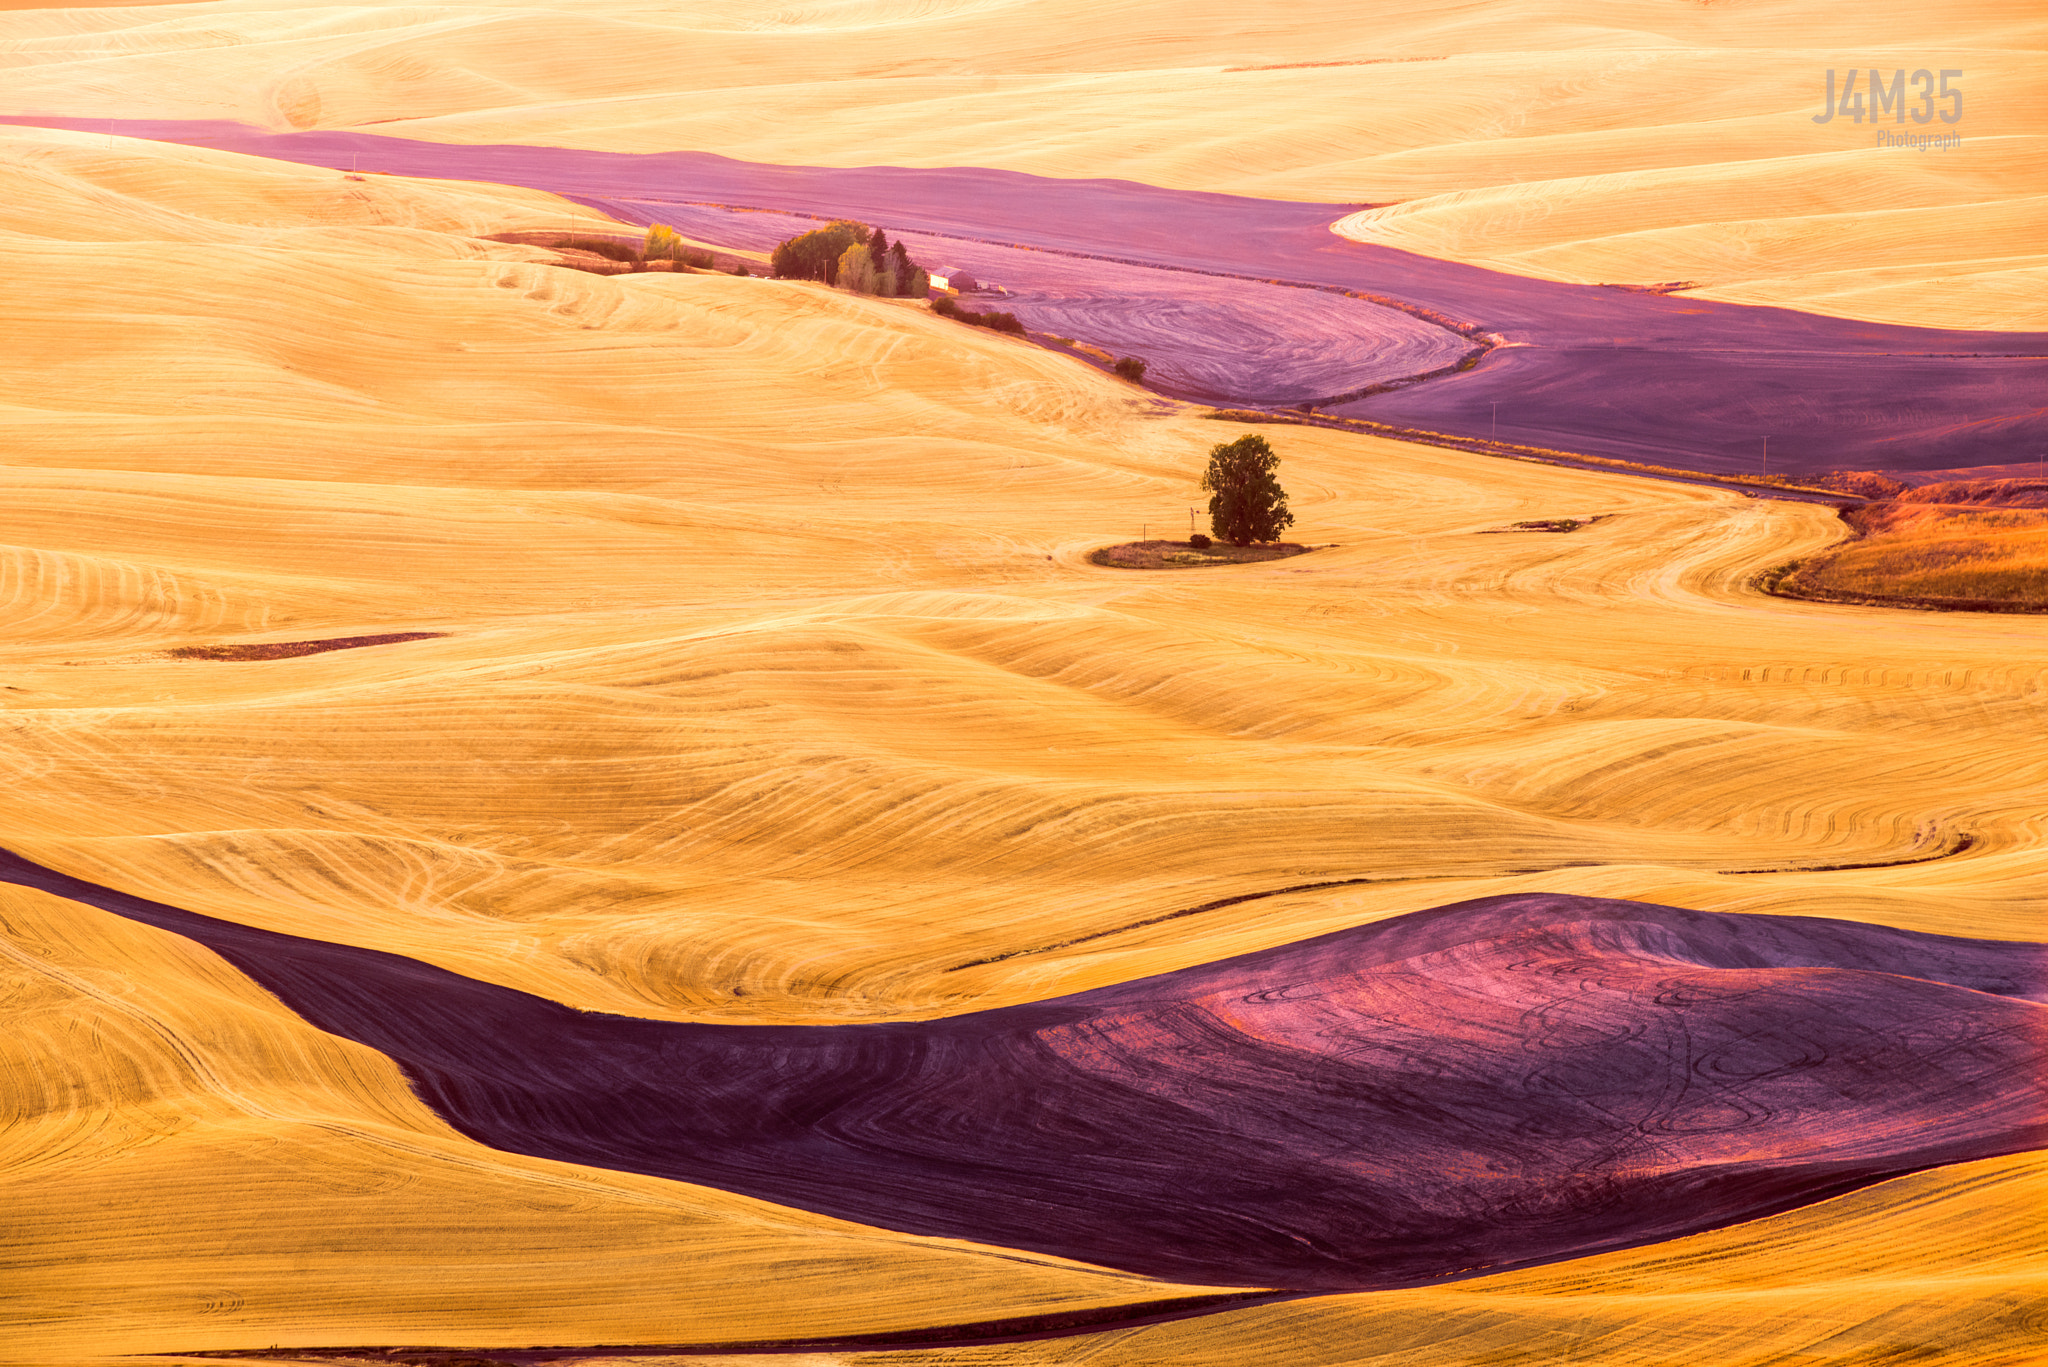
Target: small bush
x: 1868, y: 483
x: 1200, y: 542
x: 1132, y: 368
x: 601, y: 246
x: 997, y: 322
x: 738, y: 267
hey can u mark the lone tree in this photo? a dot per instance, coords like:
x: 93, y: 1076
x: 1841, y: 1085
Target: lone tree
x: 1247, y: 504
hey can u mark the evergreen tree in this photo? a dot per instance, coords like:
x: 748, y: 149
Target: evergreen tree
x: 1247, y: 502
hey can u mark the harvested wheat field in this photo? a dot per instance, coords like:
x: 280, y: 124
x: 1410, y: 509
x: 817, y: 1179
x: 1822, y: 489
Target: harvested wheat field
x: 1254, y: 301
x: 1639, y: 143
x: 569, y: 817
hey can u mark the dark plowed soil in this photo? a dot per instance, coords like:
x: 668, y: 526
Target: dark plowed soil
x: 285, y: 650
x: 1180, y: 555
x: 1488, y: 1085
x: 1636, y: 375
x: 1548, y: 524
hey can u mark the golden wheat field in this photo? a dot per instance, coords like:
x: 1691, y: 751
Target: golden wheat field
x: 772, y: 682
x: 1637, y: 141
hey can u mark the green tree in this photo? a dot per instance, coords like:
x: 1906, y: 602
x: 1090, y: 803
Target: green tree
x: 1247, y: 503
x: 815, y: 255
x: 856, y: 269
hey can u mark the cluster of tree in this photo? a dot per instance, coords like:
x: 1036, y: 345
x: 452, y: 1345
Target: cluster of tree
x: 1000, y: 322
x: 1247, y: 503
x: 1132, y: 368
x: 851, y: 256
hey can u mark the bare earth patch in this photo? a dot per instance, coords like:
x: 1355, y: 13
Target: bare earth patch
x: 1180, y: 555
x: 285, y: 650
x: 1547, y: 524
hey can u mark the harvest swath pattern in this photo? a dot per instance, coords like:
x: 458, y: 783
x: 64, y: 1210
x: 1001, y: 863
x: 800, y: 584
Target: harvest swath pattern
x: 778, y: 692
x: 1617, y: 373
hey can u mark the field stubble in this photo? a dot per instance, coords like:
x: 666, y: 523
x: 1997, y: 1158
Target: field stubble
x: 776, y: 688
x: 1657, y: 144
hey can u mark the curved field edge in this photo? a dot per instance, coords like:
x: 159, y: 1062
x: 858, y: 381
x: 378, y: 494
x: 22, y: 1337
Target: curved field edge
x: 1940, y: 1266
x: 953, y: 1126
x: 1625, y: 372
x: 1782, y: 581
x: 244, y: 1179
x: 1964, y: 1257
x: 1956, y: 546
x: 1581, y: 670
x: 1659, y: 141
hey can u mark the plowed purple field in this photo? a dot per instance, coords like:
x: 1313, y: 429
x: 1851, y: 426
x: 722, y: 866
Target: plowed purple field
x: 1491, y: 1084
x: 1603, y: 371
